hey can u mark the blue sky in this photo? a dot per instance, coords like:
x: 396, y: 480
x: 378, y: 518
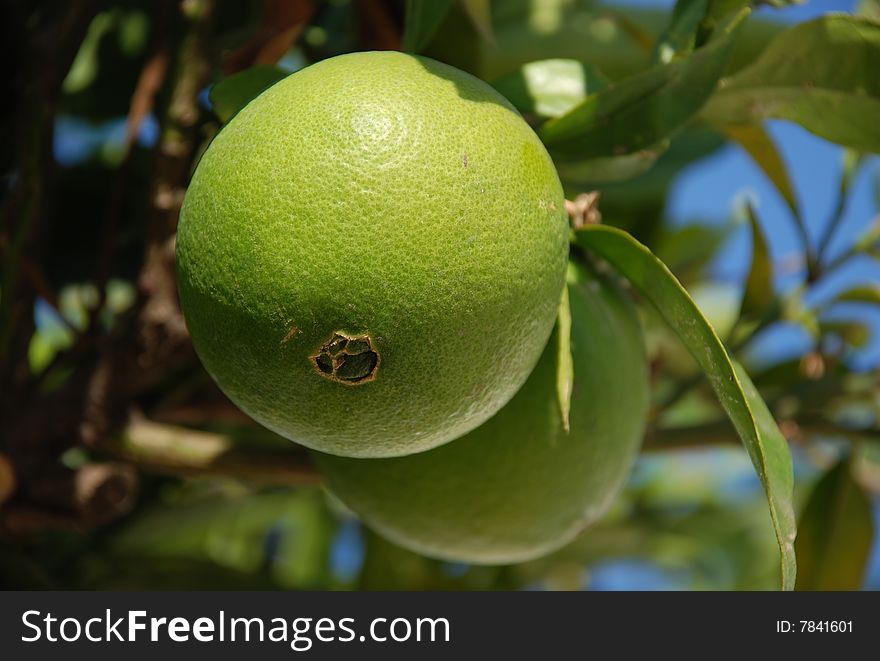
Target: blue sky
x: 709, y: 190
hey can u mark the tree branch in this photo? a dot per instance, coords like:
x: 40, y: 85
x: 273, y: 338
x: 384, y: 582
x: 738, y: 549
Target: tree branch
x: 173, y: 450
x: 146, y: 343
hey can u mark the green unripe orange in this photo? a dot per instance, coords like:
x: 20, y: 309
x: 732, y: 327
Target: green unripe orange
x: 519, y: 486
x: 371, y: 254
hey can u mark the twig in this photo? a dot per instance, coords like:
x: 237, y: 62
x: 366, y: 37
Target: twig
x: 844, y: 258
x: 8, y: 483
x: 283, y: 23
x: 584, y: 210
x: 95, y: 493
x: 678, y: 438
x: 71, y: 500
x: 172, y: 450
x: 40, y: 285
x: 831, y: 228
x: 721, y: 432
x: 27, y: 520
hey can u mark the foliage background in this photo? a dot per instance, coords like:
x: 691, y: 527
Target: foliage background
x: 121, y: 464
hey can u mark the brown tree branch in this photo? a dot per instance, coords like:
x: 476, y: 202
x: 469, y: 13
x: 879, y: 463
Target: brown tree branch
x: 150, y: 82
x: 49, y: 42
x: 173, y: 450
x: 282, y: 25
x: 721, y: 432
x: 147, y: 342
x: 71, y: 500
x: 8, y: 483
x: 153, y: 339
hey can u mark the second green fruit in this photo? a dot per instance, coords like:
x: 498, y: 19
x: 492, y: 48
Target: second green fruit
x: 519, y: 486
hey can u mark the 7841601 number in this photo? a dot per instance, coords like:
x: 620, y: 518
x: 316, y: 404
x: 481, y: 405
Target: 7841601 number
x: 831, y: 626
x: 814, y: 626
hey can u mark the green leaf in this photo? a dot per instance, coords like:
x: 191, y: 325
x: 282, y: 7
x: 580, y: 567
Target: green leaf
x: 639, y: 111
x: 178, y: 530
x: 720, y: 8
x: 681, y: 35
x: 686, y: 250
x: 869, y: 9
x: 821, y: 74
x: 754, y: 139
x: 754, y: 424
x: 862, y: 294
x: 550, y: 88
x: 564, y: 361
x: 638, y: 203
x: 480, y: 13
x: 421, y: 21
x: 869, y: 240
x: 607, y: 169
x: 232, y: 94
x: 852, y: 161
x: 759, y: 293
x: 855, y: 333
x: 836, y: 532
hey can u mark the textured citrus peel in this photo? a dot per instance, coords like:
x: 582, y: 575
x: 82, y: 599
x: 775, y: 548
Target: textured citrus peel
x: 347, y: 359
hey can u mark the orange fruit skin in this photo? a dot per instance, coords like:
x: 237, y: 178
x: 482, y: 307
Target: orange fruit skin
x: 396, y: 203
